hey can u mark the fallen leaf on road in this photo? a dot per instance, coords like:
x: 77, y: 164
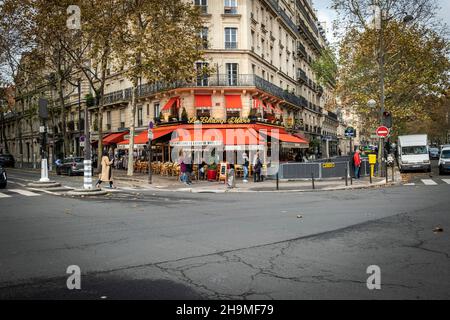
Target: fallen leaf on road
x: 438, y: 229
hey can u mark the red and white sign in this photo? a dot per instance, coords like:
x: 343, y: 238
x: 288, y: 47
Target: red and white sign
x: 382, y: 132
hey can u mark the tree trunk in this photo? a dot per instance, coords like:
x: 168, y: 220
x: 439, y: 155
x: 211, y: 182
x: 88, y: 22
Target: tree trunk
x: 132, y: 127
x: 99, y: 94
x: 66, y: 143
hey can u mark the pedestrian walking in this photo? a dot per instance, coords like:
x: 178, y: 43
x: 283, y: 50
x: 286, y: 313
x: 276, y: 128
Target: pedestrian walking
x: 257, y: 166
x: 245, y: 167
x: 181, y: 161
x: 357, y: 163
x: 106, y: 174
x: 189, y: 169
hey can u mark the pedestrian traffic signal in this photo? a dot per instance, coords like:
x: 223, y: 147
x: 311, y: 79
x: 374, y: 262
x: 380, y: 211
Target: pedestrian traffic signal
x: 387, y: 119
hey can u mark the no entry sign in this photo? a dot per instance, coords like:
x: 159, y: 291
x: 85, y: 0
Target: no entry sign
x: 382, y: 132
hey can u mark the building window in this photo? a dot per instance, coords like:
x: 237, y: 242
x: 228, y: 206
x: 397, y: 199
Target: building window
x: 203, y: 5
x: 230, y: 7
x: 202, y: 76
x: 233, y: 114
x: 156, y: 109
x: 232, y: 74
x: 122, y: 118
x: 230, y: 38
x: 108, y: 120
x: 203, y: 113
x: 204, y: 37
x: 139, y: 118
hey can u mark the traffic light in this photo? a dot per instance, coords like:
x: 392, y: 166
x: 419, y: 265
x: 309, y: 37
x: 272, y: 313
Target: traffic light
x: 387, y: 119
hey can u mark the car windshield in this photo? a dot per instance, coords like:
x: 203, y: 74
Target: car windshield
x: 434, y: 150
x: 414, y: 150
x: 445, y: 154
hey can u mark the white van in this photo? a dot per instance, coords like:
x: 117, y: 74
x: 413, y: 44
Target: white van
x: 413, y: 153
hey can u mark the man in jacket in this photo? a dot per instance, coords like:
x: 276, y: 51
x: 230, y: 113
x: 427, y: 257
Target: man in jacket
x: 357, y: 162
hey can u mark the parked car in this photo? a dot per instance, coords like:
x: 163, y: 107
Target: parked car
x: 3, y: 178
x: 434, y: 153
x: 7, y: 160
x: 71, y: 166
x: 444, y: 160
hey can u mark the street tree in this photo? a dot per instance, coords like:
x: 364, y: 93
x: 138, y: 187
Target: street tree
x: 416, y: 71
x: 159, y: 43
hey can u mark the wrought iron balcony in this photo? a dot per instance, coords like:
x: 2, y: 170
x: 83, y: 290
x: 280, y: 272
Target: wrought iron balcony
x: 301, y: 76
x: 301, y: 50
x: 215, y: 80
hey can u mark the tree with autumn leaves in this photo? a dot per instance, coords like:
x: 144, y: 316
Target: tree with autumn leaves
x: 415, y: 61
x: 148, y: 41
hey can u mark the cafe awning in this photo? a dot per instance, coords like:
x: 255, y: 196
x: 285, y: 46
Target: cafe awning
x: 287, y: 140
x: 142, y: 138
x: 170, y: 103
x: 114, y: 138
x: 216, y: 137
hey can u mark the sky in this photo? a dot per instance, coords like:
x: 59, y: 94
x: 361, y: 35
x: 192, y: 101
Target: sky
x: 327, y: 15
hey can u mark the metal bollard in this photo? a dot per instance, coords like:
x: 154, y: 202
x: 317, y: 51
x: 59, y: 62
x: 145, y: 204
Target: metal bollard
x: 278, y: 182
x: 386, y: 168
x: 346, y: 177
x: 393, y: 173
x: 313, y: 185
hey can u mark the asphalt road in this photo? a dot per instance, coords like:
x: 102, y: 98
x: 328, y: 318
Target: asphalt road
x: 159, y: 245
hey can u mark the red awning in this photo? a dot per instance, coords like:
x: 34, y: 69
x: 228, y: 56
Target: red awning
x: 114, y: 138
x: 142, y: 138
x: 233, y: 101
x: 283, y: 136
x: 170, y: 103
x: 257, y: 103
x: 203, y: 101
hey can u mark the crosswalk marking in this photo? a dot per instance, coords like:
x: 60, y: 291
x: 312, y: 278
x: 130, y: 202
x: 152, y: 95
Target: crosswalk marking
x: 2, y: 195
x: 429, y: 182
x: 447, y: 181
x: 25, y: 192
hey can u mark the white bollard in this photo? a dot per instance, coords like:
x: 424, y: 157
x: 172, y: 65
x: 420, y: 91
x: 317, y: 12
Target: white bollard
x: 44, y: 171
x: 87, y: 174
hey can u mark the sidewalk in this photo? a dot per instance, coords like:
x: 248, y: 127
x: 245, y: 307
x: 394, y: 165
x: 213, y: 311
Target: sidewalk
x: 172, y: 184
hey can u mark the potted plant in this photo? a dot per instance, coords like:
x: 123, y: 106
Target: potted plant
x: 212, y: 172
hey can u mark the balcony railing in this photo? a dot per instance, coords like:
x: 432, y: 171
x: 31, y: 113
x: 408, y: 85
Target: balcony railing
x: 230, y: 45
x: 215, y: 80
x: 301, y: 76
x: 301, y: 50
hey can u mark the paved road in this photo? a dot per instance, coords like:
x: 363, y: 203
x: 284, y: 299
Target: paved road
x: 159, y: 245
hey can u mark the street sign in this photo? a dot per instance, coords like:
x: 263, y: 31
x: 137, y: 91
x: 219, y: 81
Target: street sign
x: 350, y: 132
x: 150, y: 134
x: 82, y: 138
x: 82, y: 144
x: 382, y: 132
x: 42, y: 129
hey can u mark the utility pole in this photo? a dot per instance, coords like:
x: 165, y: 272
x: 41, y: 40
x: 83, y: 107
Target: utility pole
x: 381, y: 62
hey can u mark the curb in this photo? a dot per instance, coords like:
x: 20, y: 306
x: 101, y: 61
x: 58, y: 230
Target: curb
x: 86, y: 193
